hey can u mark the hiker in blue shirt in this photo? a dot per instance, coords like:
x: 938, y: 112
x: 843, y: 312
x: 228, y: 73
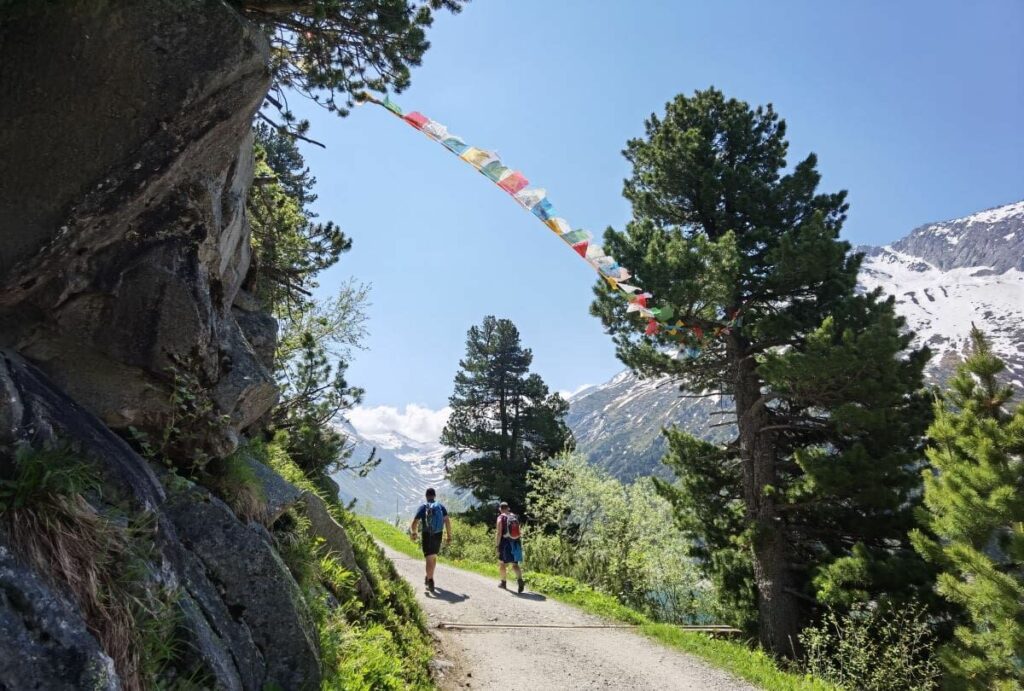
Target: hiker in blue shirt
x: 509, y: 544
x: 434, y: 519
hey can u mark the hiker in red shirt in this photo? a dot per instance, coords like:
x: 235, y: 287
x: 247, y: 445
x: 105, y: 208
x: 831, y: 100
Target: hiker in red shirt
x: 509, y: 544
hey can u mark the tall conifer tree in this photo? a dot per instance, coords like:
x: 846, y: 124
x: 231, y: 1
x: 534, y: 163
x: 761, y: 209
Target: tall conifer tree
x: 811, y: 501
x: 502, y: 416
x: 974, y: 499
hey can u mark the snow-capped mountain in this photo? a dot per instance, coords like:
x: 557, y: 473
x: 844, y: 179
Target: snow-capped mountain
x: 947, y: 275
x: 943, y: 275
x: 395, y: 487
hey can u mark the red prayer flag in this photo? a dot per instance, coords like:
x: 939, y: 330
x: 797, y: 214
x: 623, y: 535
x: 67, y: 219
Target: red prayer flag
x: 513, y: 183
x: 581, y: 248
x: 698, y: 332
x: 417, y: 120
x: 652, y: 328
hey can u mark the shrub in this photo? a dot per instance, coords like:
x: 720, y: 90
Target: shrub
x: 874, y: 649
x: 619, y: 538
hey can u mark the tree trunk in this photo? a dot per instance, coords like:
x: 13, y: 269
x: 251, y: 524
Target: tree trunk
x: 778, y: 609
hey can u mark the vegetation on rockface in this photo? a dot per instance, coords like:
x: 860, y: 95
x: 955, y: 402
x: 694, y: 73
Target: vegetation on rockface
x: 53, y: 515
x: 812, y: 502
x: 381, y: 644
x: 330, y: 50
x: 503, y: 416
x: 473, y: 549
x: 974, y: 507
x: 194, y: 428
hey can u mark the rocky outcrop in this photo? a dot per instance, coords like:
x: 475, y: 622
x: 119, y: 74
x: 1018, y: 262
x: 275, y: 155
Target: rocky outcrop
x: 242, y: 613
x: 44, y: 644
x: 336, y: 541
x: 255, y: 585
x: 125, y: 237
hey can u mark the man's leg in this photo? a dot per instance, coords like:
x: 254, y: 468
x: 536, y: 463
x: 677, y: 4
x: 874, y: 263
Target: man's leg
x: 502, y: 566
x: 431, y: 563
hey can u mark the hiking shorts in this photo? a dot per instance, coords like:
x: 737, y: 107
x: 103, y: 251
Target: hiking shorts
x: 431, y: 543
x: 510, y: 551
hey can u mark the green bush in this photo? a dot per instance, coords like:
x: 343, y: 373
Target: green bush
x: 619, y: 538
x: 874, y: 649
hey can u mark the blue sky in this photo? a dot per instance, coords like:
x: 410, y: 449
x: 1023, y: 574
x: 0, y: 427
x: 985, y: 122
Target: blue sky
x: 914, y: 107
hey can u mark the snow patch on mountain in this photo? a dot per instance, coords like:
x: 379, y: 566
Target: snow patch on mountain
x: 944, y: 276
x: 396, y: 486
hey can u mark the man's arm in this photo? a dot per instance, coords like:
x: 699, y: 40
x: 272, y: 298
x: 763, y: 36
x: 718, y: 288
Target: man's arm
x: 448, y: 527
x: 412, y: 526
x: 497, y: 533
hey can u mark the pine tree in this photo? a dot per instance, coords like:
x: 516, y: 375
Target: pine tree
x: 330, y: 50
x: 502, y: 416
x: 811, y: 502
x: 975, y: 506
x: 289, y: 247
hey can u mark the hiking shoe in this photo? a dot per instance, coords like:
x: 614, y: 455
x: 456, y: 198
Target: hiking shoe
x: 430, y: 584
x: 426, y: 581
x: 522, y: 584
x: 502, y: 585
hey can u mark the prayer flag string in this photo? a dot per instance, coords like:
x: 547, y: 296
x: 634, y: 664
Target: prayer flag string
x: 535, y: 200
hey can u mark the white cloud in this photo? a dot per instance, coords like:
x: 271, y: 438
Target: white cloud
x: 415, y: 421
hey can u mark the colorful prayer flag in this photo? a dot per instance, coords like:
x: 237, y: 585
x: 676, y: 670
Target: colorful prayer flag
x: 417, y: 120
x: 513, y: 183
x: 543, y: 210
x: 559, y: 225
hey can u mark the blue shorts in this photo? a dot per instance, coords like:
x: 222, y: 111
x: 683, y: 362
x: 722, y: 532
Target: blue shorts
x: 510, y: 551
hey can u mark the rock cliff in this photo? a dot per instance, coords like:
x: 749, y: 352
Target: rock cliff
x: 125, y: 161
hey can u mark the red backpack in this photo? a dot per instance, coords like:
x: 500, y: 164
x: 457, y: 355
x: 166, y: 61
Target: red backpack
x: 511, y: 526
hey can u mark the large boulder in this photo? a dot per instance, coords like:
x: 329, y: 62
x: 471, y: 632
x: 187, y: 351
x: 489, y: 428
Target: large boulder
x: 125, y: 237
x: 44, y: 644
x: 255, y: 585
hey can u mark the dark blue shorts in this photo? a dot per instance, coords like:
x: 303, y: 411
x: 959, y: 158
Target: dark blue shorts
x: 510, y: 551
x: 431, y: 543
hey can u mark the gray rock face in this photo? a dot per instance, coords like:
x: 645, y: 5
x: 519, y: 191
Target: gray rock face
x: 242, y: 615
x: 44, y: 644
x: 255, y: 585
x: 279, y: 494
x: 993, y: 239
x: 125, y: 239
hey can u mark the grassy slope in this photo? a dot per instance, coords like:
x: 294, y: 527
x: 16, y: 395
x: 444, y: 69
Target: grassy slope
x: 753, y: 665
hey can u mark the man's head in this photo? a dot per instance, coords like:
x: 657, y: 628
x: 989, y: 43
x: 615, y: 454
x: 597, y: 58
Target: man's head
x: 503, y: 507
x: 431, y: 494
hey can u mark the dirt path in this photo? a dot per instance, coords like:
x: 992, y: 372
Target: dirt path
x: 542, y: 658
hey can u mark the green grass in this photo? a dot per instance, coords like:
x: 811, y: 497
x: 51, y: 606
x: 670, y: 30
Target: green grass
x: 753, y: 665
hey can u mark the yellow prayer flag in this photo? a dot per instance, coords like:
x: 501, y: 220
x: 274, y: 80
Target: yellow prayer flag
x: 475, y: 156
x: 558, y: 225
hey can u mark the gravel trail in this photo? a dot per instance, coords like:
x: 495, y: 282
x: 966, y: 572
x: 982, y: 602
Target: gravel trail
x: 542, y: 658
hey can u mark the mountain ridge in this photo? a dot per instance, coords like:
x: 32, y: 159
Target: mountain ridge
x: 943, y: 275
